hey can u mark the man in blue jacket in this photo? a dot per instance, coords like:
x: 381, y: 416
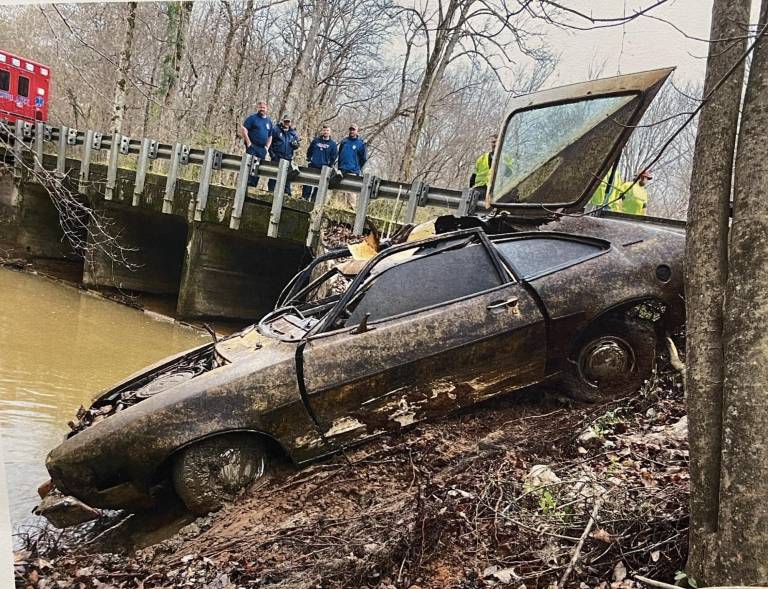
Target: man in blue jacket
x: 257, y: 135
x: 285, y: 141
x: 352, y: 154
x: 323, y: 151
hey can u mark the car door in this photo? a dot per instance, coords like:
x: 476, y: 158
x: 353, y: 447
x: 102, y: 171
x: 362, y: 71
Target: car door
x: 447, y: 327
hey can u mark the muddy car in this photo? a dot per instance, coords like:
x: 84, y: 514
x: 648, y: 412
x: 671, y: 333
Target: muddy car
x: 529, y: 291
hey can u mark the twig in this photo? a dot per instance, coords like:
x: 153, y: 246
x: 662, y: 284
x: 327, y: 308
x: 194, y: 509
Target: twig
x: 662, y: 585
x: 577, y: 551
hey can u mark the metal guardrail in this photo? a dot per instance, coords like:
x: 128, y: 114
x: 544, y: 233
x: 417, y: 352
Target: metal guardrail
x: 367, y: 186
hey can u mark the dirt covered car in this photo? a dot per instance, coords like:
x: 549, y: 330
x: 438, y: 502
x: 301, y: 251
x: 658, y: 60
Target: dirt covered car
x: 485, y: 305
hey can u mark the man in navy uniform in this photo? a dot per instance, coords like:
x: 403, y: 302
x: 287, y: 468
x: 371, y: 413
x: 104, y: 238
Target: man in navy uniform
x: 257, y: 135
x: 323, y: 151
x: 285, y: 141
x: 352, y: 153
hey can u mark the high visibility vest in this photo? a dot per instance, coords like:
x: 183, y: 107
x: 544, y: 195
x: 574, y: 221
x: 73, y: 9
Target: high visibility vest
x: 598, y: 198
x: 635, y: 200
x: 482, y: 170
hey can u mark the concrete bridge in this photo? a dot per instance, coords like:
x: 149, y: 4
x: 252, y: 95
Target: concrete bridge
x: 223, y: 251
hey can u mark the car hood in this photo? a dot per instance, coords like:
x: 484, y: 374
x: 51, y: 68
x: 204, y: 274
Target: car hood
x: 244, y: 345
x: 556, y: 145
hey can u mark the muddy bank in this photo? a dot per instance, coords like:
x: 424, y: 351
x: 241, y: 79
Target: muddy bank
x: 526, y: 491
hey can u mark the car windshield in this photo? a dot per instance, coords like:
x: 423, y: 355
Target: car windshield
x: 550, y: 155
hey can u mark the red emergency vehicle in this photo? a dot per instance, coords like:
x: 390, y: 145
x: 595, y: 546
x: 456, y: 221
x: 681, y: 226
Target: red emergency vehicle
x: 24, y: 89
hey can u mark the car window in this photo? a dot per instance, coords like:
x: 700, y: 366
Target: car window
x: 5, y: 80
x: 424, y: 281
x: 534, y: 255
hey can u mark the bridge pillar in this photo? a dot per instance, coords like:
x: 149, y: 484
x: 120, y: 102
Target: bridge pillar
x: 29, y: 220
x: 152, y: 244
x: 235, y: 275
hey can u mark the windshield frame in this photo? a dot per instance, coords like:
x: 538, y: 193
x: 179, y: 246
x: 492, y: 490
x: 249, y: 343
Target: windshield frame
x: 643, y: 84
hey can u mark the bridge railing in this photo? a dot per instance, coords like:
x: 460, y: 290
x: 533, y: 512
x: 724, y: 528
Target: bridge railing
x: 367, y: 187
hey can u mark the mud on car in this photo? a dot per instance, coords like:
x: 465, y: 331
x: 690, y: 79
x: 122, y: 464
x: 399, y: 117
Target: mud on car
x: 529, y: 290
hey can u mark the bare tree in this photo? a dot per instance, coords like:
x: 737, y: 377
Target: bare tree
x: 118, y: 114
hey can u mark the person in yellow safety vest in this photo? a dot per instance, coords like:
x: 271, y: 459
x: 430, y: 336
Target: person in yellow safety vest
x: 635, y: 201
x: 478, y: 181
x: 598, y: 198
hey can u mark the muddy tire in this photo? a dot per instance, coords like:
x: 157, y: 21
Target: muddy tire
x: 611, y: 360
x: 213, y: 471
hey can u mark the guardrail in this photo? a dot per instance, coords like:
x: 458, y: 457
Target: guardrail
x: 367, y: 186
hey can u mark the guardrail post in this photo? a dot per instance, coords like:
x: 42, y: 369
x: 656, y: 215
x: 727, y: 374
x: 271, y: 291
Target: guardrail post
x: 414, y: 195
x: 367, y: 191
x: 114, y: 150
x: 61, y: 154
x: 141, y: 171
x: 18, y: 145
x: 278, y: 196
x: 316, y: 217
x: 85, y: 164
x: 39, y: 137
x: 242, y: 187
x: 466, y: 206
x: 170, y: 184
x: 205, y: 181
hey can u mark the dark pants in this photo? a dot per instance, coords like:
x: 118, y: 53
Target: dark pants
x: 272, y: 183
x: 478, y: 198
x: 260, y: 152
x: 309, y: 192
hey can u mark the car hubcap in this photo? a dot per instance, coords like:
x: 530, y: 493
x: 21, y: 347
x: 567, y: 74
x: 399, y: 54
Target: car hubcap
x: 607, y: 359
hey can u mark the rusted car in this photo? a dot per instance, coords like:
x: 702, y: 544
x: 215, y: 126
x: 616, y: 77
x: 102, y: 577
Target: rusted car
x: 528, y: 291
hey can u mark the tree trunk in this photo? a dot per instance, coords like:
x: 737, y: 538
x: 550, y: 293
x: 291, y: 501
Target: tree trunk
x: 176, y: 36
x: 299, y: 71
x: 118, y: 105
x: 234, y: 25
x: 743, y: 518
x: 445, y: 41
x: 233, y: 117
x: 706, y: 272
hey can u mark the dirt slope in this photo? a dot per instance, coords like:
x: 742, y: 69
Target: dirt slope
x: 448, y: 504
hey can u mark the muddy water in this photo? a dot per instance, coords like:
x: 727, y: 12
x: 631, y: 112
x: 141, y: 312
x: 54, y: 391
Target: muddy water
x: 59, y: 347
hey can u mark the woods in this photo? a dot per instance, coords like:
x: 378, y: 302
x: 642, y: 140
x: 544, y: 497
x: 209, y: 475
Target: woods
x: 426, y: 83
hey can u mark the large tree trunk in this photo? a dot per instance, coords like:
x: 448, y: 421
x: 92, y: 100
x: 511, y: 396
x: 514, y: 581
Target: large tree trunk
x: 706, y: 273
x: 743, y: 518
x: 118, y: 105
x: 213, y: 102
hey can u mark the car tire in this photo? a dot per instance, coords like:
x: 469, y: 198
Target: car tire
x: 214, y: 471
x: 611, y: 360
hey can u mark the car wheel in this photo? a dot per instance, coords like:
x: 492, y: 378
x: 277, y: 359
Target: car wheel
x: 611, y: 360
x: 215, y: 470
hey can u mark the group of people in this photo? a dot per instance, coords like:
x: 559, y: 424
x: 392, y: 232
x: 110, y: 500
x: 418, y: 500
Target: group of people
x: 280, y: 142
x: 617, y: 196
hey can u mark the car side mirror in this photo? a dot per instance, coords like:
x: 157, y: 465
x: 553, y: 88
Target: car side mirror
x: 362, y: 327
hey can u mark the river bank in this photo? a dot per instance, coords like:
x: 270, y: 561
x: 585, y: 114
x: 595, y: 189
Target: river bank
x: 527, y: 491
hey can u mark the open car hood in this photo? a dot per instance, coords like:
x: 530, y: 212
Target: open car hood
x: 556, y: 145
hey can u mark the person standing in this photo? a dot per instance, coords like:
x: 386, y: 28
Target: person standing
x: 635, y: 201
x: 352, y: 153
x: 323, y: 151
x: 478, y: 181
x: 257, y: 135
x: 285, y: 141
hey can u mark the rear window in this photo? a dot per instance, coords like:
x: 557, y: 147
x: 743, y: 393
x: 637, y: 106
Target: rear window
x: 425, y: 282
x: 5, y: 80
x: 531, y: 256
x: 23, y: 86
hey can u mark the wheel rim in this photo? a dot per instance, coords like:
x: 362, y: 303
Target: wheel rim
x: 236, y: 469
x: 606, y: 359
